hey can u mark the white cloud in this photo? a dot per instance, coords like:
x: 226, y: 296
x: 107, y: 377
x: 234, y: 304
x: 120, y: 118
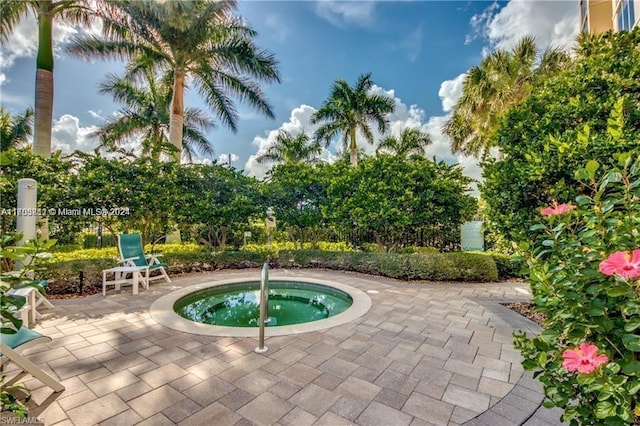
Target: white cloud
x: 299, y: 121
x: 552, y: 23
x: 96, y: 114
x: 450, y: 91
x: 224, y: 158
x: 343, y: 13
x: 67, y: 135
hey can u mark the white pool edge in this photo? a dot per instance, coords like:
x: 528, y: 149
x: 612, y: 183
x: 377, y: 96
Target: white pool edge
x: 162, y: 311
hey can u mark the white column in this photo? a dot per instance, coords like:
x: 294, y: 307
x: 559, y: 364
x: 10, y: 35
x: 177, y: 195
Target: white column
x: 26, y: 213
x: 27, y: 197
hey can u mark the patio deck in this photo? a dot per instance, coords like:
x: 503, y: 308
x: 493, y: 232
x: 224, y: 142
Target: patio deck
x: 423, y: 354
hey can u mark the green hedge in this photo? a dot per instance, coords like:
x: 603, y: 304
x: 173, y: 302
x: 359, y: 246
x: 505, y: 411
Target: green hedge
x: 437, y: 266
x: 64, y: 274
x: 508, y: 266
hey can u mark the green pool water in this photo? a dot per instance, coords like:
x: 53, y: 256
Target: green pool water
x: 237, y: 305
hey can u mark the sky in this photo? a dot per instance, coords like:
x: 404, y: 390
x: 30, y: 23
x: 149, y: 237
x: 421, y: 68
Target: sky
x: 416, y: 51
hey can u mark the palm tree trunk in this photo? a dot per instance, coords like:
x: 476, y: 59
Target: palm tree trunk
x: 44, y: 84
x: 177, y: 111
x: 353, y: 147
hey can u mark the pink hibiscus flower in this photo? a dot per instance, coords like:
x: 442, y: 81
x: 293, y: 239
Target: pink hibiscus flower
x: 557, y: 209
x: 622, y: 263
x: 583, y: 359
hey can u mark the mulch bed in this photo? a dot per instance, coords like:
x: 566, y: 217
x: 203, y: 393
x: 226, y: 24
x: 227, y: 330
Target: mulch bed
x: 526, y: 310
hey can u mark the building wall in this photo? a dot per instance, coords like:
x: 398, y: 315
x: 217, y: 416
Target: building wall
x: 598, y: 16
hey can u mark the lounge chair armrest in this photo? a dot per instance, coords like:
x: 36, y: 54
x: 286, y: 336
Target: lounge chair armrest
x: 129, y: 261
x: 153, y: 257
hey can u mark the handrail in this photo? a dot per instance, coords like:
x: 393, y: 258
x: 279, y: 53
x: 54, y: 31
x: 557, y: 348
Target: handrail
x: 264, y: 307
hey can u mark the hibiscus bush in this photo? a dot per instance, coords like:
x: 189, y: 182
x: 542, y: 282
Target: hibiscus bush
x: 584, y: 272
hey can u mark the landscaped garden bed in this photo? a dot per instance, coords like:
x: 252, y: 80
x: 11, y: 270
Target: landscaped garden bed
x: 63, y: 269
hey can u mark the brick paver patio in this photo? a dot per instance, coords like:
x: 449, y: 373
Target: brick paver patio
x: 423, y: 354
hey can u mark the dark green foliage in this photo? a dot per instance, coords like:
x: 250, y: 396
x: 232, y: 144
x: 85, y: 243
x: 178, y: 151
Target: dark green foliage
x: 389, y: 197
x: 64, y: 278
x: 508, y: 266
x: 434, y: 267
x: 52, y: 175
x: 540, y: 139
x: 297, y: 192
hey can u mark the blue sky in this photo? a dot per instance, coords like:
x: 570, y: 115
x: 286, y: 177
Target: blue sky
x: 417, y: 52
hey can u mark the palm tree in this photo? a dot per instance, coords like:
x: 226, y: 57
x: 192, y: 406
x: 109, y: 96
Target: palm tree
x: 501, y: 80
x: 291, y: 149
x: 15, y: 131
x: 348, y: 110
x: 199, y: 41
x: 410, y: 144
x: 145, y: 115
x: 46, y: 11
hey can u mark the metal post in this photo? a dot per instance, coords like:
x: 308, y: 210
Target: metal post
x: 264, y: 308
x: 26, y: 214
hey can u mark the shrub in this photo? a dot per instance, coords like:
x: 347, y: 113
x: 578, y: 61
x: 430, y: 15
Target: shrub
x: 584, y: 272
x: 64, y: 268
x: 508, y: 266
x: 437, y: 267
x: 565, y: 120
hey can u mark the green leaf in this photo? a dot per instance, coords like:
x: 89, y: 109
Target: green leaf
x: 548, y: 243
x: 631, y: 368
x: 591, y: 167
x: 633, y: 387
x: 631, y: 342
x: 618, y: 290
x: 583, y: 199
x: 632, y: 324
x: 605, y: 409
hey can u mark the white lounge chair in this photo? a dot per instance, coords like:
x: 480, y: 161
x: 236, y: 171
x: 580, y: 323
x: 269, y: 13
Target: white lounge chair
x: 12, y: 344
x: 132, y: 254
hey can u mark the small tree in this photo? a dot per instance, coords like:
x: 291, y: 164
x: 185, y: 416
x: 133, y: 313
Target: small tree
x: 388, y: 196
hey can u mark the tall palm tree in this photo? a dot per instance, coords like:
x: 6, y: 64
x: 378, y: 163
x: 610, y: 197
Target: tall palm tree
x: 15, y: 131
x: 349, y: 109
x: 146, y: 115
x: 199, y: 41
x: 501, y: 80
x: 410, y: 144
x: 46, y: 11
x: 291, y: 149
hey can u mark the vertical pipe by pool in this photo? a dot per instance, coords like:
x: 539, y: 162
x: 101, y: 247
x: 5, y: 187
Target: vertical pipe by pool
x: 264, y: 307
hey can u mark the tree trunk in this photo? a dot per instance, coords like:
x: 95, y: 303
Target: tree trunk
x: 353, y: 147
x: 379, y: 242
x: 177, y: 112
x: 43, y: 116
x: 221, y: 237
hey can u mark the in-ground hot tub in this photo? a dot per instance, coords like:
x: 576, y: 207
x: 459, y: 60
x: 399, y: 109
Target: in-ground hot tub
x: 230, y: 308
x: 238, y: 305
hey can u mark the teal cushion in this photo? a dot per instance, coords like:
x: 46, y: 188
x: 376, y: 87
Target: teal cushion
x: 24, y: 335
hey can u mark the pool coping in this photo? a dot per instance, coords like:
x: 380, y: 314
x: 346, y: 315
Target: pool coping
x: 162, y: 311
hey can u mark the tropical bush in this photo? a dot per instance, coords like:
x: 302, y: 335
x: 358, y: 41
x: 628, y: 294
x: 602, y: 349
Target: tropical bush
x: 547, y: 136
x: 584, y: 272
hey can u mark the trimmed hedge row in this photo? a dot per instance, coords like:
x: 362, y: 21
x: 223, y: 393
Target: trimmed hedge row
x: 435, y: 267
x: 64, y: 275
